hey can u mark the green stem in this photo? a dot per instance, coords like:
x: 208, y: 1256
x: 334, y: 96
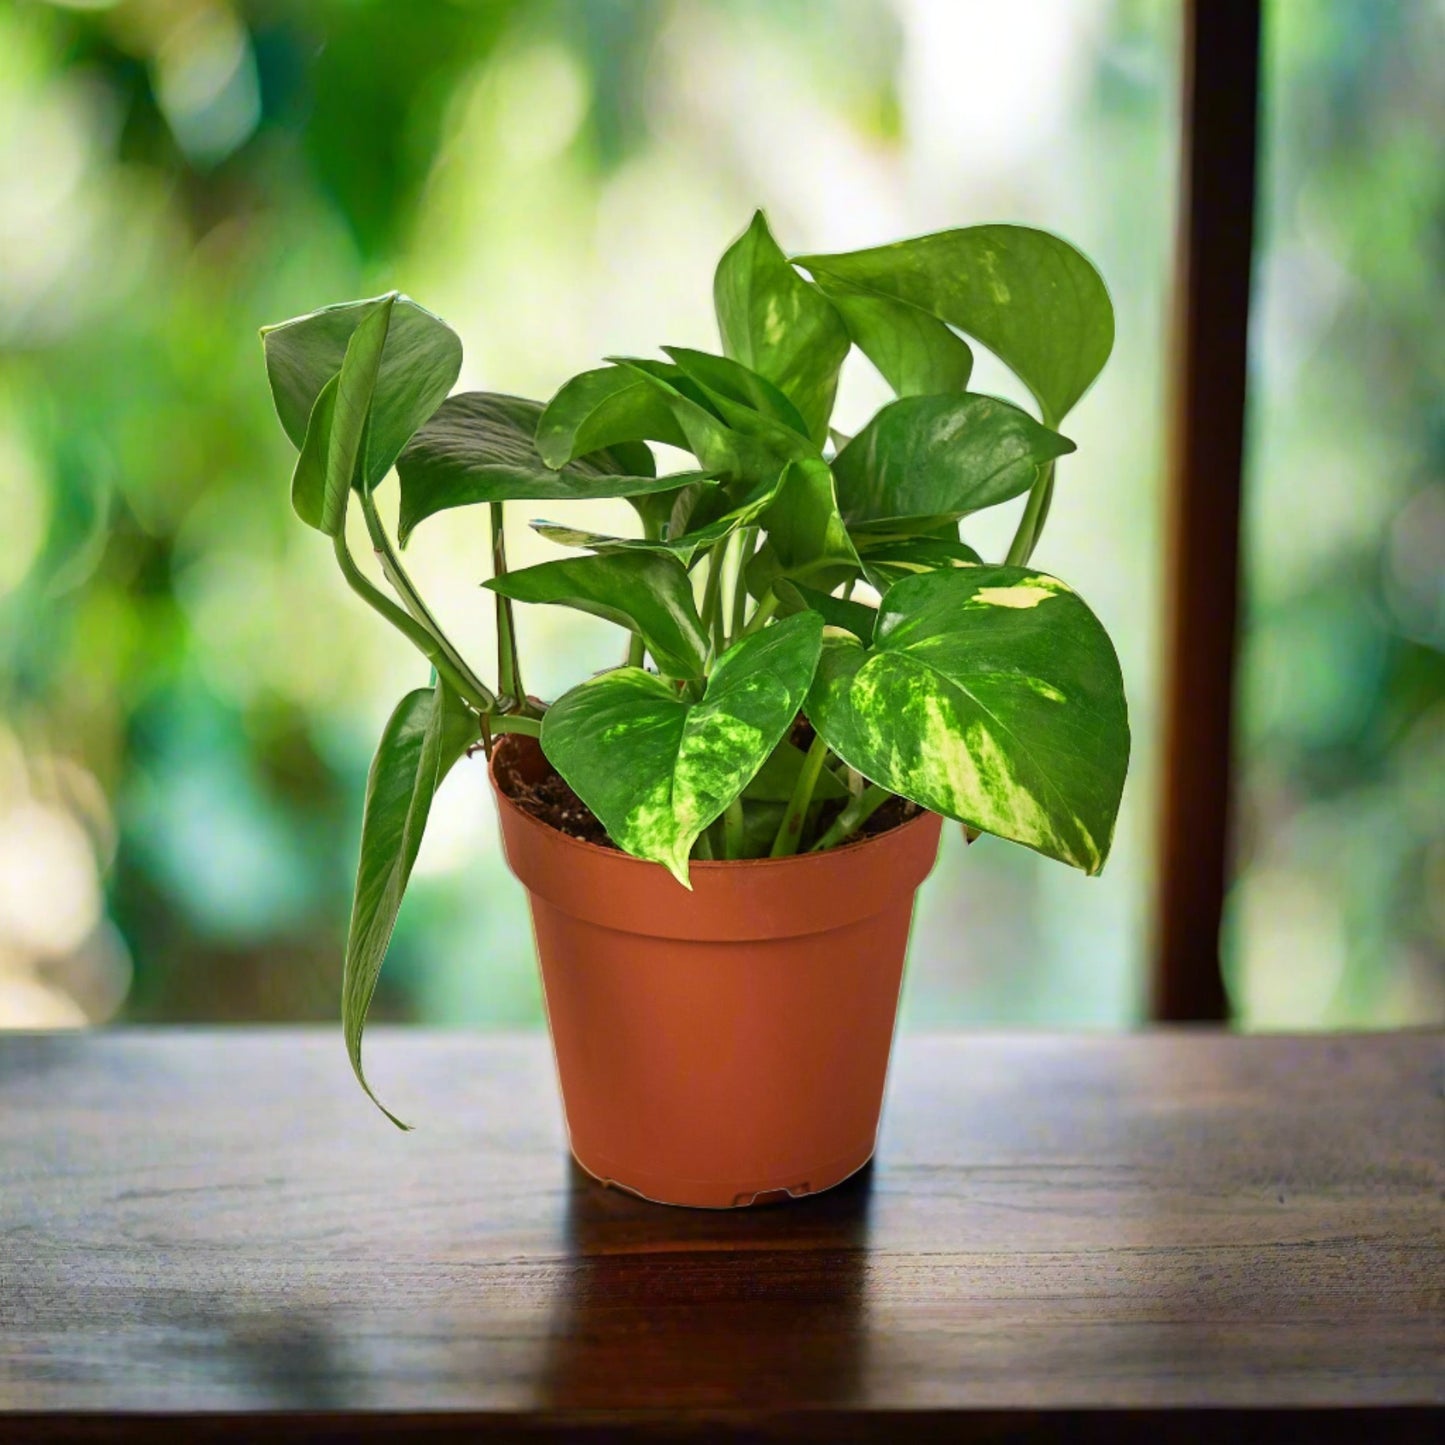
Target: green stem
x: 712, y: 595
x: 1031, y: 524
x: 853, y: 817
x: 703, y: 846
x: 515, y: 722
x: 767, y: 605
x: 747, y: 545
x: 733, y: 829
x: 790, y: 830
x: 509, y: 670
x: 396, y: 575
x: 636, y: 650
x: 465, y: 686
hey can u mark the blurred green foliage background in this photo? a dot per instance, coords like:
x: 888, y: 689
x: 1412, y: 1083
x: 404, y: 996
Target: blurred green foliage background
x: 189, y: 696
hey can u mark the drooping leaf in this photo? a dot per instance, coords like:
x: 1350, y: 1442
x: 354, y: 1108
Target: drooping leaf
x: 685, y: 547
x: 841, y: 612
x: 726, y: 380
x: 481, y: 447
x: 656, y: 768
x: 601, y: 409
x: 1031, y: 298
x: 940, y: 457
x: 889, y: 559
x: 991, y: 695
x: 646, y: 591
x: 780, y: 325
x: 419, y: 366
x: 915, y: 352
x: 774, y: 781
x: 331, y: 454
x: 429, y: 730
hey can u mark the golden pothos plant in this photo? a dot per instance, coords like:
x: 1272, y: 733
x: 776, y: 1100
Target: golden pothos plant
x: 792, y: 571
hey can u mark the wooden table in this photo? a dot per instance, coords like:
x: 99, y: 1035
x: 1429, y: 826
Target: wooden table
x: 1186, y: 1235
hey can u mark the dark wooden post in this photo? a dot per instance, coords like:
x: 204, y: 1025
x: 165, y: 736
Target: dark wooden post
x: 1221, y: 43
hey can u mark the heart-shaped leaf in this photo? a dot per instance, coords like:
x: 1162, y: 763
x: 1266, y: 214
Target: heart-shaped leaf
x: 940, y: 457
x: 991, y: 695
x: 601, y: 409
x: 645, y: 591
x: 780, y: 325
x: 419, y: 365
x: 430, y: 729
x: 1031, y: 298
x: 915, y: 352
x: 481, y: 447
x: 656, y: 768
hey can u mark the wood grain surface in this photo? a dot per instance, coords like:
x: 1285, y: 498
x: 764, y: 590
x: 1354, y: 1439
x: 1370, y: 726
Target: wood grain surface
x: 1190, y: 1233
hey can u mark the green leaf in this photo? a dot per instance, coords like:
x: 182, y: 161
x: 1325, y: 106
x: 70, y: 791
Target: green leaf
x: 992, y: 695
x: 685, y: 547
x: 728, y: 381
x: 604, y: 408
x: 646, y: 592
x: 332, y: 449
x: 481, y: 447
x: 807, y: 539
x: 841, y: 612
x: 656, y: 768
x: 780, y: 325
x: 1031, y: 298
x: 774, y: 781
x: 430, y: 729
x: 915, y: 352
x: 741, y: 446
x: 419, y: 366
x: 890, y: 559
x: 940, y: 457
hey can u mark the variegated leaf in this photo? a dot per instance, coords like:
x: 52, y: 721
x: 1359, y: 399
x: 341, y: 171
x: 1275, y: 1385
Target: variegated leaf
x: 1034, y: 300
x: 935, y: 458
x: 777, y: 323
x: 991, y: 695
x: 657, y: 768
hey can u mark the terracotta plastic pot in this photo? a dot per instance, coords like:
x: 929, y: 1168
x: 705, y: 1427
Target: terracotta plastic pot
x: 728, y: 1045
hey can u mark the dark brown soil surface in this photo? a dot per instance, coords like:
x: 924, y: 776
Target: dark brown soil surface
x: 538, y: 789
x: 549, y: 799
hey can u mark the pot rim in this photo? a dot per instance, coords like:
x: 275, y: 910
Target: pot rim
x: 705, y: 865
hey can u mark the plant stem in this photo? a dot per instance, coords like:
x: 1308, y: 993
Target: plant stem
x: 790, y: 830
x: 767, y: 605
x: 509, y: 671
x: 703, y: 846
x: 636, y: 650
x: 747, y: 545
x: 1031, y: 524
x: 733, y: 829
x: 466, y: 687
x: 396, y: 574
x: 515, y: 722
x: 712, y: 595
x: 853, y: 817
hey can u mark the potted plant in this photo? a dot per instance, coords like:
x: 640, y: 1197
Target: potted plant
x: 722, y: 836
